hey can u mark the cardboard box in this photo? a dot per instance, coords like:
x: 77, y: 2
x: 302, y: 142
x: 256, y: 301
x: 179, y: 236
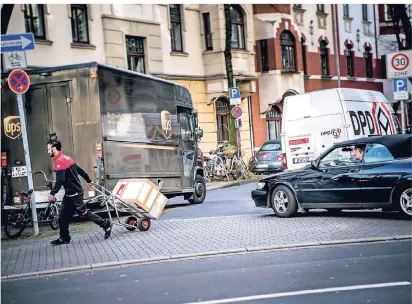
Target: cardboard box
x: 143, y: 193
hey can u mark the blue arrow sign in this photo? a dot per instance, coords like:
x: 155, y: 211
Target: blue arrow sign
x: 17, y: 42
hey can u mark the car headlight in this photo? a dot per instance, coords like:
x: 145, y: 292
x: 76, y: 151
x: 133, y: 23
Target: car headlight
x: 261, y: 185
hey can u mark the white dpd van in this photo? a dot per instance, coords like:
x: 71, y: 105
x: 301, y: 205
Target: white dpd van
x: 314, y: 121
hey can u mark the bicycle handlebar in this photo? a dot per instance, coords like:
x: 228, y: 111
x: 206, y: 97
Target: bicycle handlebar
x: 44, y: 174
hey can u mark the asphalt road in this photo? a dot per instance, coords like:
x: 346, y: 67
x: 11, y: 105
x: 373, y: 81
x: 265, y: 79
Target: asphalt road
x: 221, y: 202
x: 368, y: 273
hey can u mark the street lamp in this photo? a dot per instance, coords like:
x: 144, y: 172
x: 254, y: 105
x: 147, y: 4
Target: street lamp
x: 358, y: 38
x: 311, y: 31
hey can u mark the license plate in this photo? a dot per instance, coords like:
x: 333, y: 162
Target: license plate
x: 19, y: 171
x: 263, y: 166
x: 299, y: 160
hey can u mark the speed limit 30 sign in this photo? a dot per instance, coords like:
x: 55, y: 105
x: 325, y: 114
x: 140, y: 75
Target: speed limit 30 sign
x: 399, y: 65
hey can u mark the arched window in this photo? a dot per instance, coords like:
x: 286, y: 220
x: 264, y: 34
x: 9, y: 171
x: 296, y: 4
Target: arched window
x: 238, y: 27
x: 273, y: 122
x: 222, y: 119
x: 349, y: 60
x: 368, y: 62
x: 324, y: 58
x: 287, y: 46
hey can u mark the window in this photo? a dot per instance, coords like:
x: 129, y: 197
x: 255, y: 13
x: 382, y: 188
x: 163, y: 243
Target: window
x: 364, y: 12
x: 264, y: 55
x: 377, y: 153
x: 297, y: 5
x: 388, y: 15
x: 343, y: 156
x: 238, y: 27
x: 396, y: 123
x: 368, y: 62
x: 222, y: 118
x: 273, y: 123
x: 34, y: 20
x: 287, y: 46
x: 346, y: 10
x: 324, y: 58
x: 176, y: 28
x: 320, y: 8
x: 80, y: 25
x: 208, y: 32
x: 186, y: 128
x: 305, y: 64
x: 135, y: 54
x: 349, y: 60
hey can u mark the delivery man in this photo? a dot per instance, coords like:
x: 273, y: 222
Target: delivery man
x: 67, y: 175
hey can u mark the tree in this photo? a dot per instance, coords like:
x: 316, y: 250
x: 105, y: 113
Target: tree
x: 229, y: 69
x: 401, y: 23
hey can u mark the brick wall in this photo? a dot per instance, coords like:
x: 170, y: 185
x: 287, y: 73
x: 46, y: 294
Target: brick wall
x: 271, y: 8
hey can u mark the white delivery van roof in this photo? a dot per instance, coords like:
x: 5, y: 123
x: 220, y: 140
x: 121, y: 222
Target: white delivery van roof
x: 361, y: 95
x: 326, y: 102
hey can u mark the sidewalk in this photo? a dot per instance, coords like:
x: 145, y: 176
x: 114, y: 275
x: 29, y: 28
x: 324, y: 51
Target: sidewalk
x: 171, y: 239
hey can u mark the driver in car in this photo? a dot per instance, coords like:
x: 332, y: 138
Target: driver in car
x: 356, y: 156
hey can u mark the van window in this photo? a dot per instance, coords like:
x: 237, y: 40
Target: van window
x: 397, y: 124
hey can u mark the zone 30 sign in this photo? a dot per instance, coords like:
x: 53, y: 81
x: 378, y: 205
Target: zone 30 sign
x: 399, y: 65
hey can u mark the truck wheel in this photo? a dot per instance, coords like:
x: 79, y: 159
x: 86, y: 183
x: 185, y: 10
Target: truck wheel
x: 199, y: 193
x: 284, y: 202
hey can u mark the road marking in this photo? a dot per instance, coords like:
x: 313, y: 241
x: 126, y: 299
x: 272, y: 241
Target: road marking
x: 304, y: 292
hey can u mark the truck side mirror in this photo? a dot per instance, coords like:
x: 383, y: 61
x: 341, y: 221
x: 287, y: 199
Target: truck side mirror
x: 199, y: 132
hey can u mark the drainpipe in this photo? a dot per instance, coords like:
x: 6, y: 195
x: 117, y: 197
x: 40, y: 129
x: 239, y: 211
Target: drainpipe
x: 335, y: 38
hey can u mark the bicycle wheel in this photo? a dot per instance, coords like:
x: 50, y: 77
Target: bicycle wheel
x: 15, y: 224
x: 54, y: 216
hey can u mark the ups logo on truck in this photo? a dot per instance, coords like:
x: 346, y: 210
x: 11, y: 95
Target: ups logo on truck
x: 12, y: 128
x: 166, y: 120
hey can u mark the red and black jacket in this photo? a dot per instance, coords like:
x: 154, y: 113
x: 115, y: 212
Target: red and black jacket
x: 67, y: 175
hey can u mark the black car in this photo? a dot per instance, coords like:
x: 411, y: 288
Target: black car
x: 269, y: 158
x: 365, y: 173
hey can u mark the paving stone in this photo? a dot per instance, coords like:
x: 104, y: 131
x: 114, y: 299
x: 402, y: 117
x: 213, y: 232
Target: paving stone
x: 192, y: 236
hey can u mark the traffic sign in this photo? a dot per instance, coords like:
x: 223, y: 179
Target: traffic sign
x: 400, y: 88
x: 237, y: 112
x: 399, y: 65
x: 15, y: 60
x: 19, y: 81
x: 234, y: 95
x: 17, y: 42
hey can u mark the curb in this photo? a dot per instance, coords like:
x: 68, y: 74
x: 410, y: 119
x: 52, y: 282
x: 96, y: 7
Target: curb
x: 233, y: 184
x: 184, y: 256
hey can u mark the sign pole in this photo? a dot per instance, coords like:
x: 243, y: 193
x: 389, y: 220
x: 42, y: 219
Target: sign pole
x: 403, y: 116
x: 28, y: 162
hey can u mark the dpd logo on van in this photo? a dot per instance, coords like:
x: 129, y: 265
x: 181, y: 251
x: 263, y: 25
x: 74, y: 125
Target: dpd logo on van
x: 334, y: 132
x: 12, y: 128
x: 166, y: 120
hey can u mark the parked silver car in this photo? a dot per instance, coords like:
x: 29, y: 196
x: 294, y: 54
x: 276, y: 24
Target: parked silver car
x: 269, y: 158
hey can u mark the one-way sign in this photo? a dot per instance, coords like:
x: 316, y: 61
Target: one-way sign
x: 17, y: 42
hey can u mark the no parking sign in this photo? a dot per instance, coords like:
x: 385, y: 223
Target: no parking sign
x: 19, y: 81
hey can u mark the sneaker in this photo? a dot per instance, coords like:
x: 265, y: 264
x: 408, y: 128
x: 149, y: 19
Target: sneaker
x: 108, y: 230
x: 60, y: 241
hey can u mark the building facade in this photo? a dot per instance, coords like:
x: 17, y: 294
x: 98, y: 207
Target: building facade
x: 296, y: 47
x: 387, y: 44
x: 181, y: 42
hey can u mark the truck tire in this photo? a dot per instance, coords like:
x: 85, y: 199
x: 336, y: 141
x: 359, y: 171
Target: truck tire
x: 199, y: 193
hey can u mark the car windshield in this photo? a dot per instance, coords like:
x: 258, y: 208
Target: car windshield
x: 271, y: 147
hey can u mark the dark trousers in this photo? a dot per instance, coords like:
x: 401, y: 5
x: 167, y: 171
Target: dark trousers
x: 71, y: 205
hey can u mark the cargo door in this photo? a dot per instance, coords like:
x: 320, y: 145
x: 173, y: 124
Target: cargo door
x: 38, y: 121
x: 60, y: 111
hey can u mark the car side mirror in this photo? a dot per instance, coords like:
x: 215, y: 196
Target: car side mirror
x: 314, y: 164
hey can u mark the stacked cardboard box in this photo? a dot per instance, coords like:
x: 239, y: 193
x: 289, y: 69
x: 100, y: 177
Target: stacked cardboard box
x: 143, y: 193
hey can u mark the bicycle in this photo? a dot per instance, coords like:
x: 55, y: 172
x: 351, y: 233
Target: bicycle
x: 20, y: 218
